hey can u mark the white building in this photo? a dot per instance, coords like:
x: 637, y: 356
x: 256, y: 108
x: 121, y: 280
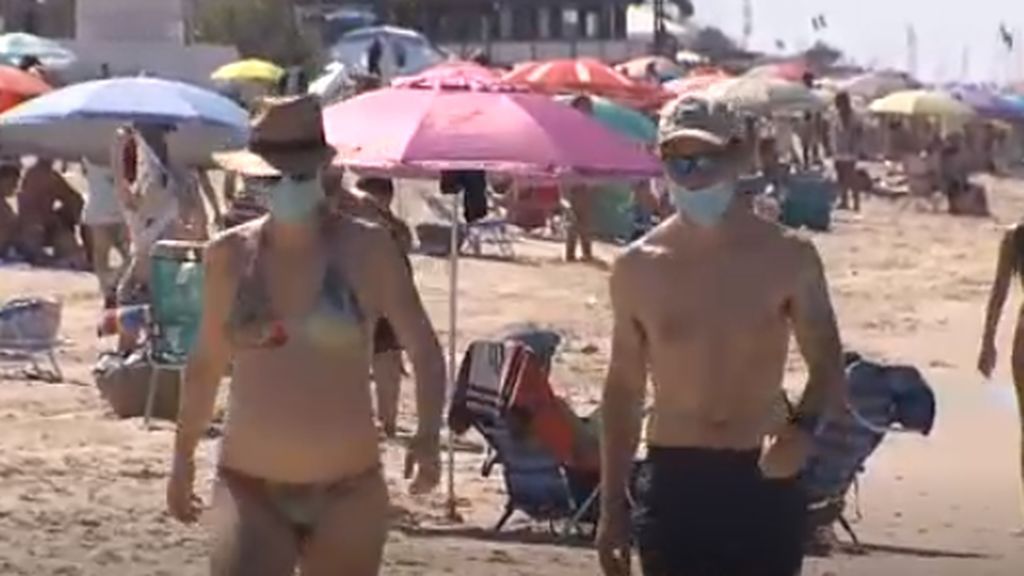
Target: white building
x: 128, y: 36
x: 131, y: 36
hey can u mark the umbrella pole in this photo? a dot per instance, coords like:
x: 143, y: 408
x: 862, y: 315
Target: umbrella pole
x: 453, y: 297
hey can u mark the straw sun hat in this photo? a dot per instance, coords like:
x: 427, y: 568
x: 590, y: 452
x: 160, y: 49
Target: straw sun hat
x: 287, y: 137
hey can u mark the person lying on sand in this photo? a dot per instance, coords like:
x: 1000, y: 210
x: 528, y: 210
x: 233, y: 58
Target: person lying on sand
x: 1009, y: 265
x: 707, y: 300
x: 290, y: 301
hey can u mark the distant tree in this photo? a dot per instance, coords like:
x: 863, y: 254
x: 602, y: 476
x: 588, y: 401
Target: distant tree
x: 257, y: 28
x: 822, y: 55
x: 714, y: 43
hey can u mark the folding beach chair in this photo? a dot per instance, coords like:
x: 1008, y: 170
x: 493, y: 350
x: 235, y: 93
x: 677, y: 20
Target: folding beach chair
x: 176, y: 281
x: 493, y: 231
x: 537, y: 483
x: 29, y: 330
x: 882, y: 399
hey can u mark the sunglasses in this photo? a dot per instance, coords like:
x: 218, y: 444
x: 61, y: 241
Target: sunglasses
x: 267, y: 181
x: 684, y: 166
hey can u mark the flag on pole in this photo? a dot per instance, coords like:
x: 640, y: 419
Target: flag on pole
x: 1006, y: 36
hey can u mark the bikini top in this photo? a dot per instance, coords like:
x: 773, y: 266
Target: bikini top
x: 335, y: 321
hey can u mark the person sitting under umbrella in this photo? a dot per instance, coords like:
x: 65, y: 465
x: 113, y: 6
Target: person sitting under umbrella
x: 160, y: 200
x: 49, y: 212
x: 290, y: 301
x: 9, y: 176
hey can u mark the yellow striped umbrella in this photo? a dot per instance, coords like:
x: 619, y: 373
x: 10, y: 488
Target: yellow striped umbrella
x: 251, y: 70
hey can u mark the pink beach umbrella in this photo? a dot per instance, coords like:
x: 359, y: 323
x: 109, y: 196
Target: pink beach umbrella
x: 450, y: 75
x: 419, y: 133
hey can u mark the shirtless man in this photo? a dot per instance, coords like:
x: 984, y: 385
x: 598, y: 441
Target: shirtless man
x: 49, y: 211
x: 846, y: 146
x: 707, y: 300
x: 581, y: 205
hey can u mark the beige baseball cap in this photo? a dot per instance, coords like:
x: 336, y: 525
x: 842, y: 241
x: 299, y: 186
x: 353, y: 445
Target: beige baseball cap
x: 698, y: 119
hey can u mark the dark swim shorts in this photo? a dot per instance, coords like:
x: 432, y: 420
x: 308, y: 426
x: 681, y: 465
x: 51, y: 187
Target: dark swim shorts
x: 703, y: 512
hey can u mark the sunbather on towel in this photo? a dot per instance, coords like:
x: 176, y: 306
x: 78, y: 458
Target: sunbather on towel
x: 707, y: 300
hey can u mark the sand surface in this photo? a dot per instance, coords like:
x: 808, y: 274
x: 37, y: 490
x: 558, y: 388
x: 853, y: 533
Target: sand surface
x: 81, y: 493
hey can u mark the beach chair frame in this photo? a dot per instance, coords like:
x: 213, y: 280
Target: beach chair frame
x: 495, y: 231
x: 859, y: 438
x: 160, y: 353
x: 486, y: 405
x: 39, y: 354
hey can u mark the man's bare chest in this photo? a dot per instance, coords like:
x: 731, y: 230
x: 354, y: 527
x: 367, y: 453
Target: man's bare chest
x: 731, y: 300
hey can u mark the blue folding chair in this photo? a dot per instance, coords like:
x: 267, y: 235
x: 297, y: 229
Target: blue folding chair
x: 175, y: 288
x: 536, y: 483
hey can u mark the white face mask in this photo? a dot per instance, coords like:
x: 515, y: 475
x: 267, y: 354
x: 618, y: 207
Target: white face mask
x: 294, y: 200
x: 705, y: 206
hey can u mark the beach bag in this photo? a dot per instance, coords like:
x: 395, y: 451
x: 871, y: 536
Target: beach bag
x: 30, y: 322
x: 123, y: 383
x: 807, y: 202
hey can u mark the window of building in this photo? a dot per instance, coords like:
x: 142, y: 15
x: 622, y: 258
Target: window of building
x: 592, y: 24
x: 543, y: 24
x: 524, y: 23
x: 570, y: 22
x: 554, y: 21
x: 618, y: 24
x: 52, y: 19
x: 505, y: 23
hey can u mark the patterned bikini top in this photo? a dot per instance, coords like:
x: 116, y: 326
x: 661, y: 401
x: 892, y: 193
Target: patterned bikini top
x: 336, y: 320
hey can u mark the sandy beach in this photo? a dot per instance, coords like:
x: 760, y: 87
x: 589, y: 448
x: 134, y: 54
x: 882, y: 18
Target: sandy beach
x: 82, y: 493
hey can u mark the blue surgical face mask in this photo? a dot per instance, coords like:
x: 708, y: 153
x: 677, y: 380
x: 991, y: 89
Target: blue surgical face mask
x: 294, y: 200
x: 705, y: 206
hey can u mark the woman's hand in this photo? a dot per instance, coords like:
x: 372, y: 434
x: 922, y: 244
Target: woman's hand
x: 182, y: 502
x: 987, y: 359
x: 423, y: 464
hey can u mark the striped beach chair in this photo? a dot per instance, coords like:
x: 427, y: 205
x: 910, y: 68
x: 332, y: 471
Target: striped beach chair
x: 882, y: 399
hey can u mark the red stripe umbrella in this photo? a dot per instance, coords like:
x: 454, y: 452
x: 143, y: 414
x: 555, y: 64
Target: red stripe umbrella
x: 586, y: 75
x: 16, y: 86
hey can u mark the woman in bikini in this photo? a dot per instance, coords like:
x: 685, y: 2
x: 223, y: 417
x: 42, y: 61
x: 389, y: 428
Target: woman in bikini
x: 290, y: 303
x: 1010, y: 264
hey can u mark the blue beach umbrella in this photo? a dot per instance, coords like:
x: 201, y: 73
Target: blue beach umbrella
x: 80, y: 120
x: 17, y: 45
x: 989, y: 104
x: 621, y: 119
